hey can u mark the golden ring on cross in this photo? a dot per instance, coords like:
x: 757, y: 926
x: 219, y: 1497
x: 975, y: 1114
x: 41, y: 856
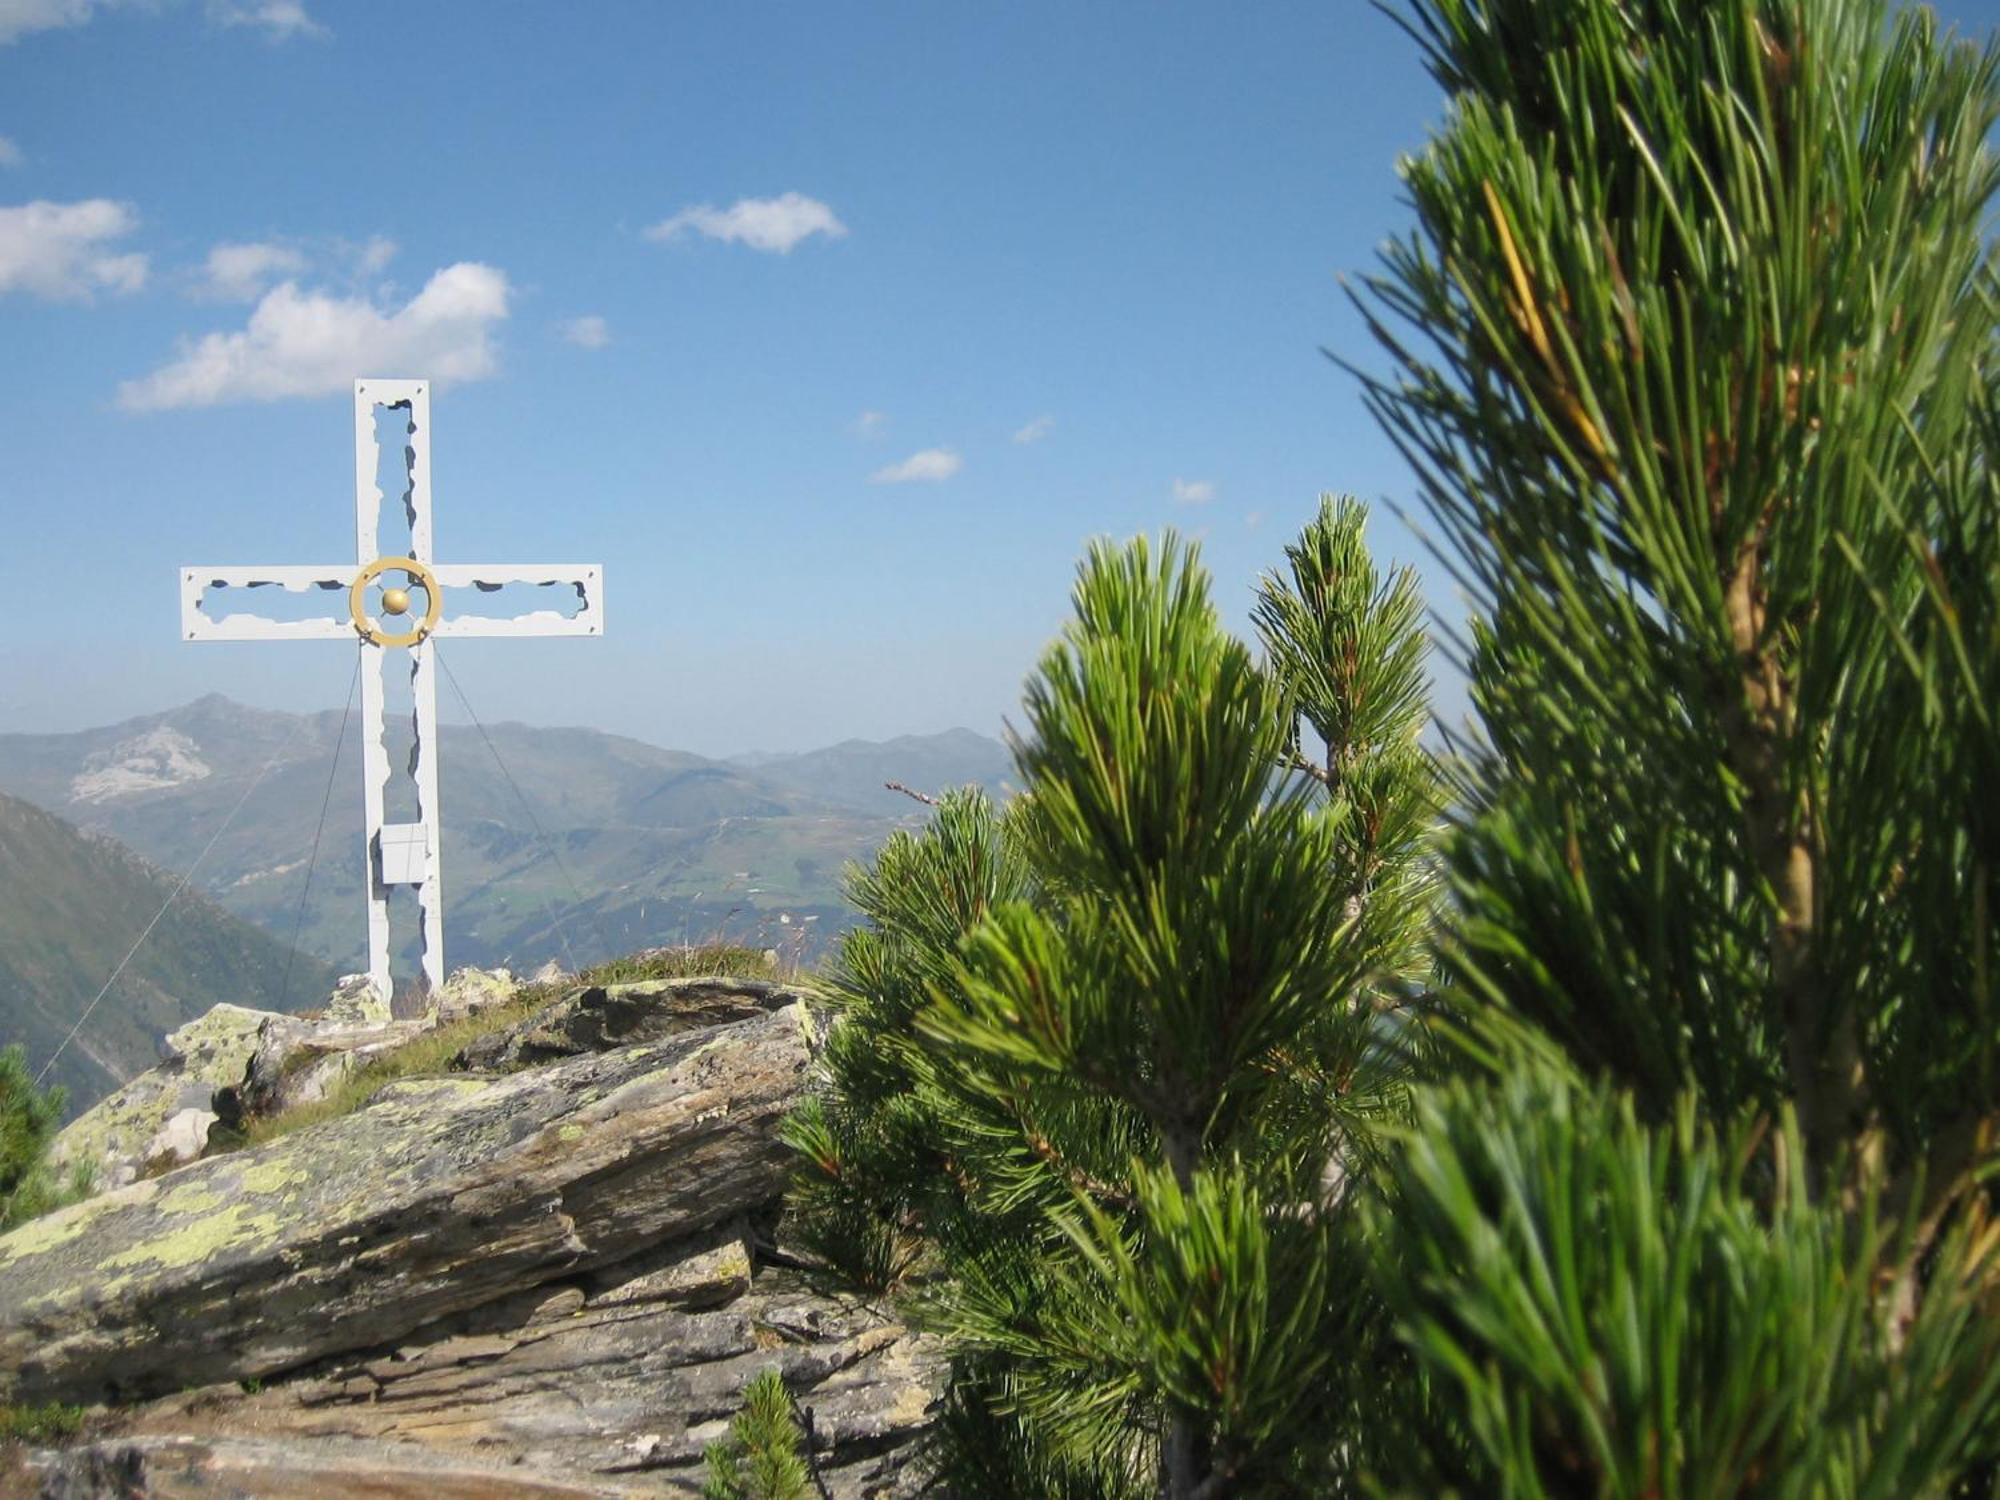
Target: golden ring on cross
x: 413, y: 572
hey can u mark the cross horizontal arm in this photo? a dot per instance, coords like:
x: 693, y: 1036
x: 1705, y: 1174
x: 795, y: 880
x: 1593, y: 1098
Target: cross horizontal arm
x: 198, y: 582
x: 586, y: 579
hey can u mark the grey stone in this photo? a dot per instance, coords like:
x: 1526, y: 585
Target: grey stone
x: 469, y: 991
x: 182, y: 1139
x: 298, y: 1062
x: 601, y: 1386
x: 701, y: 1272
x: 357, y: 1001
x: 613, y: 1015
x: 179, y: 1467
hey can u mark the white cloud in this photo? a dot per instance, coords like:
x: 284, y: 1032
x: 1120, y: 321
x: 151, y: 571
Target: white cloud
x: 10, y: 154
x: 1036, y: 430
x: 58, y: 250
x: 929, y: 465
x: 279, y: 20
x: 19, y: 17
x: 243, y: 272
x: 761, y: 223
x: 1254, y: 519
x: 376, y: 254
x: 1193, y: 491
x: 240, y: 273
x: 587, y: 332
x: 870, y: 422
x: 312, y: 344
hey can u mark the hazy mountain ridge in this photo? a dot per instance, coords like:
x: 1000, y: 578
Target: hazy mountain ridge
x: 853, y: 772
x: 71, y: 902
x: 636, y: 844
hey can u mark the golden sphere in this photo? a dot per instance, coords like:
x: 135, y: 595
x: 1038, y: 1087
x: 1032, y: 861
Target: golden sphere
x: 395, y: 601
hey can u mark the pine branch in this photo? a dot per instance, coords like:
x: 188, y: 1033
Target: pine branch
x: 1110, y: 1195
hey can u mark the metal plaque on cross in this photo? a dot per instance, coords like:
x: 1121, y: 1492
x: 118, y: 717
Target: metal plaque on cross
x: 383, y: 618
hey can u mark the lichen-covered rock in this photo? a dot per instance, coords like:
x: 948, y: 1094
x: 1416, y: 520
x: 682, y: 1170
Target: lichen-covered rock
x: 298, y: 1062
x: 469, y: 991
x: 628, y: 1371
x: 554, y: 1283
x: 252, y: 1091
x: 115, y: 1135
x: 357, y: 1001
x: 616, y: 1015
x: 433, y: 1201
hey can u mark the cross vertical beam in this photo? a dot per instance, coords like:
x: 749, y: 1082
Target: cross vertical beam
x: 384, y: 868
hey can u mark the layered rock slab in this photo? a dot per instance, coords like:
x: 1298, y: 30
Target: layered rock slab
x: 597, y: 1017
x: 181, y: 1467
x: 619, y: 1377
x: 439, y: 1198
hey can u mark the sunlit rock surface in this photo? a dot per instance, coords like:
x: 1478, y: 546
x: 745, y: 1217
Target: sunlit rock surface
x: 554, y: 1280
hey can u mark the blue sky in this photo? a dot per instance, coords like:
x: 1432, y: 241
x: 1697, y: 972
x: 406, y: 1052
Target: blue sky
x: 833, y: 331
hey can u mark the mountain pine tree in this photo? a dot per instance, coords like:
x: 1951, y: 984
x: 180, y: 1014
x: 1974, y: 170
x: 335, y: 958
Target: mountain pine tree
x: 1109, y: 1058
x: 760, y: 1459
x: 1678, y: 1181
x: 1694, y: 358
x: 29, y: 1118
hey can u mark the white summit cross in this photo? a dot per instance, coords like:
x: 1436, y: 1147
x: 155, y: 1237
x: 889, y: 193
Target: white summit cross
x: 379, y: 588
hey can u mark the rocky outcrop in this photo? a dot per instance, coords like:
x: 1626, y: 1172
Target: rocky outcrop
x: 618, y: 1015
x: 162, y: 1116
x: 440, y: 1197
x: 297, y: 1062
x: 469, y: 991
x: 550, y: 1281
x: 357, y: 1001
x: 240, y: 1468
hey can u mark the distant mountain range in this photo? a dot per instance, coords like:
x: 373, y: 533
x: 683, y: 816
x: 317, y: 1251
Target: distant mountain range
x: 71, y: 904
x: 854, y: 773
x: 573, y: 844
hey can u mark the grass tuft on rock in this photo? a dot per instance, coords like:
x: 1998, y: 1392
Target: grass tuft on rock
x: 425, y: 1056
x: 39, y: 1424
x: 430, y: 1055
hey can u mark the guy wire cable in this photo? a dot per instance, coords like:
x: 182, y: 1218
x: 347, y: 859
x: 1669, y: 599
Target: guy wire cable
x: 255, y: 782
x: 562, y: 933
x: 312, y: 859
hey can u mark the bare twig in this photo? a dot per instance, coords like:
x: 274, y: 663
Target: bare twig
x: 897, y: 786
x: 1318, y: 773
x: 812, y: 1450
x: 1104, y: 1192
